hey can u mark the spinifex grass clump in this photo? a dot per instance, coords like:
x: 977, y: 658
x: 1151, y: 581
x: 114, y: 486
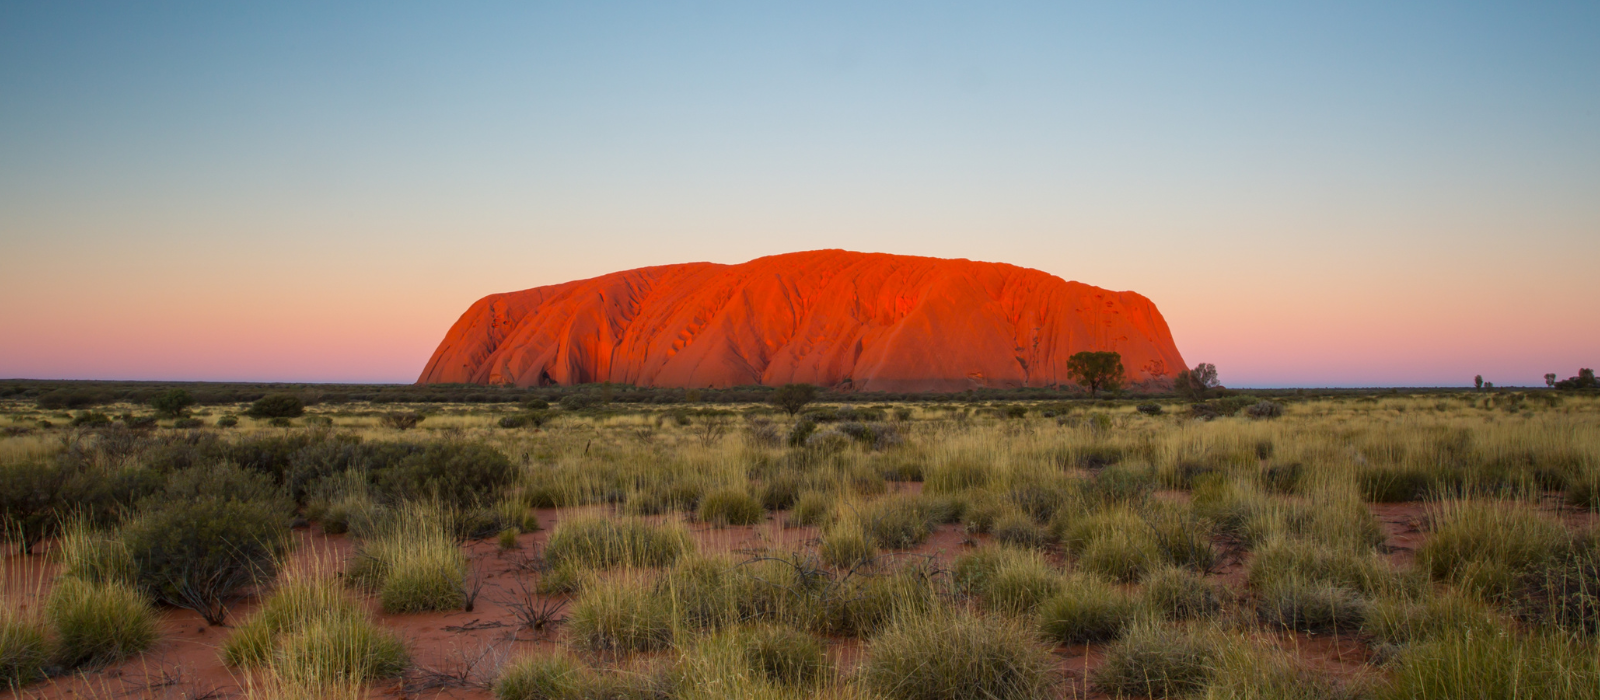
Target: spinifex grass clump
x: 1496, y: 666
x: 314, y: 637
x: 1157, y: 661
x: 598, y: 542
x: 623, y: 613
x: 951, y: 654
x: 409, y: 558
x: 730, y: 507
x: 1485, y: 546
x: 1008, y: 579
x: 543, y: 677
x: 752, y: 662
x: 1088, y: 609
x: 24, y: 650
x: 98, y: 623
x: 1181, y: 594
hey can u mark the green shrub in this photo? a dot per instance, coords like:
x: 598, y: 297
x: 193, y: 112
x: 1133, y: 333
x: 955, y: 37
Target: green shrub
x: 98, y: 623
x: 1156, y: 661
x: 542, y: 677
x: 600, y: 542
x: 955, y: 655
x: 1088, y: 610
x: 227, y: 421
x: 24, y: 650
x: 457, y: 473
x: 337, y: 650
x: 622, y: 614
x: 172, y: 403
x: 277, y: 406
x: 1181, y: 594
x: 195, y: 554
x: 34, y: 495
x: 730, y: 507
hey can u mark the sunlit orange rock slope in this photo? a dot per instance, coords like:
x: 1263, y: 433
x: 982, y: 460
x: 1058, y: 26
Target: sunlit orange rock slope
x: 862, y: 321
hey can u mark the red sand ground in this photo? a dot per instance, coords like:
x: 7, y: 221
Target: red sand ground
x: 866, y: 321
x: 455, y: 653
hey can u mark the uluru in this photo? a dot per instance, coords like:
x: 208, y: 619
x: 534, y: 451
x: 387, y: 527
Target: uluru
x: 834, y: 318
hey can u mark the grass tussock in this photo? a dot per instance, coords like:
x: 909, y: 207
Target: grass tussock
x: 600, y: 543
x: 1089, y: 609
x: 950, y: 654
x: 411, y: 560
x: 98, y: 623
x: 1157, y: 661
x: 624, y: 613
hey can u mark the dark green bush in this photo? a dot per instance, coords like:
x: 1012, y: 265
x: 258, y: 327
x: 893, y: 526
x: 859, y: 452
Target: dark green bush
x: 277, y: 406
x: 90, y: 419
x: 34, y: 495
x: 194, y: 547
x: 227, y: 421
x: 172, y: 403
x: 456, y: 473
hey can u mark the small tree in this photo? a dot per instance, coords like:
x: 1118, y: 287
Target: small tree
x: 1550, y: 380
x: 1196, y: 384
x: 793, y: 397
x: 172, y: 403
x: 1097, y: 371
x: 277, y: 406
x: 1478, y: 382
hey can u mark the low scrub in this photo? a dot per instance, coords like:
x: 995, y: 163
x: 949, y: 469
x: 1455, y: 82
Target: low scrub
x: 98, y: 623
x: 955, y: 655
x: 1008, y: 579
x: 197, y: 552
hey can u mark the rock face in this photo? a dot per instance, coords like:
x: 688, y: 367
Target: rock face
x: 861, y: 321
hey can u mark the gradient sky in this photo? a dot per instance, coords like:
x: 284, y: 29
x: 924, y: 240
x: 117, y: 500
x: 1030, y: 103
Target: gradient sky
x: 1353, y: 194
